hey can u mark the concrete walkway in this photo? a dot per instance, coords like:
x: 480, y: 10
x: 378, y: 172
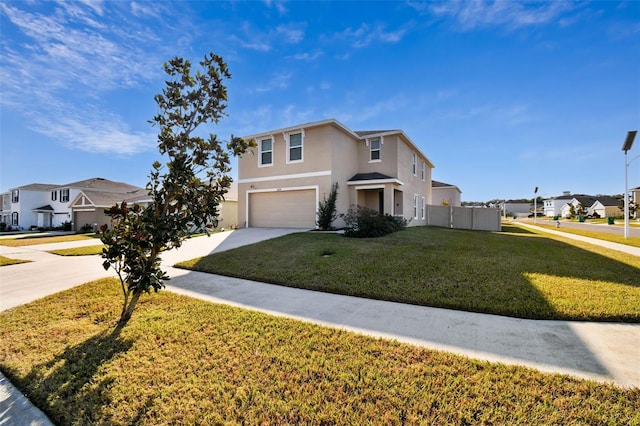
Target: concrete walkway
x: 606, y: 352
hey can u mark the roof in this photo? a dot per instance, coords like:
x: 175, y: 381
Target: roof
x: 37, y: 187
x: 108, y: 199
x: 46, y: 208
x: 368, y: 176
x: 608, y: 201
x: 436, y: 184
x: 102, y: 184
x: 365, y: 133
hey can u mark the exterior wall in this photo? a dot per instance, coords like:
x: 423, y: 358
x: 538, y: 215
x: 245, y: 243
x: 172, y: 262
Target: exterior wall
x: 228, y: 215
x: 388, y: 163
x: 446, y: 197
x: 344, y: 165
x: 413, y: 184
x: 27, y: 201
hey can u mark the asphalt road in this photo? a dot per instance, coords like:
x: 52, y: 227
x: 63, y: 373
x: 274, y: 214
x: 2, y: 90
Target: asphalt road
x: 616, y: 229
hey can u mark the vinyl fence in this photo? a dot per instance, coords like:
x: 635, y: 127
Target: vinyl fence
x: 480, y: 219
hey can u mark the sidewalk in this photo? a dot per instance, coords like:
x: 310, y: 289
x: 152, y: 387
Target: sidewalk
x: 613, y: 246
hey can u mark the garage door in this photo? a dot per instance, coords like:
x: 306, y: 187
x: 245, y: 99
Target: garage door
x: 82, y: 218
x: 283, y: 209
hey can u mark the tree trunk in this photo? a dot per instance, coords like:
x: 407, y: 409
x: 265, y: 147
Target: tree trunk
x: 127, y: 311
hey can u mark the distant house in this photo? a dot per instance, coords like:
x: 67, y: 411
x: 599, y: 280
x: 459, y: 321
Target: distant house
x: 606, y: 207
x: 228, y: 209
x: 46, y: 205
x: 445, y: 194
x: 516, y: 208
x: 553, y: 206
x: 635, y: 198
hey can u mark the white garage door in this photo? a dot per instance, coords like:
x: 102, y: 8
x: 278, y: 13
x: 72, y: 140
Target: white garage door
x: 283, y: 209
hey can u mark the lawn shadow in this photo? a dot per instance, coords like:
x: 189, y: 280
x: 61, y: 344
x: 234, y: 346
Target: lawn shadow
x: 550, y: 345
x: 67, y: 388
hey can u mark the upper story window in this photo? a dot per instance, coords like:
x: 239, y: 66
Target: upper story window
x: 266, y: 152
x: 64, y: 195
x: 54, y: 195
x: 294, y: 147
x: 423, y: 173
x: 374, y: 149
x: 15, y: 195
x: 414, y: 164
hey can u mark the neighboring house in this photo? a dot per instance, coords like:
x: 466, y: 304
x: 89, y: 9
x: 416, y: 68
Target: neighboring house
x: 28, y: 207
x: 635, y: 198
x: 445, y: 194
x: 46, y: 205
x: 553, y: 206
x: 5, y: 215
x: 282, y: 181
x: 606, y: 207
x: 228, y: 209
x: 516, y: 208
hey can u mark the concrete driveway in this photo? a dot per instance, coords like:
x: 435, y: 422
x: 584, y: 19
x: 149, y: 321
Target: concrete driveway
x: 48, y: 273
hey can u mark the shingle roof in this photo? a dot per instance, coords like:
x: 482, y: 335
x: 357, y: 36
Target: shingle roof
x: 436, y: 184
x: 108, y: 199
x: 101, y: 183
x: 368, y: 176
x: 608, y: 201
x: 47, y: 208
x: 37, y: 187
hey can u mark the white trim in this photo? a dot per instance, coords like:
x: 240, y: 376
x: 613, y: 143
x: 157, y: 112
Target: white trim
x: 375, y: 181
x: 287, y: 139
x: 273, y: 142
x: 359, y: 188
x: 367, y: 143
x: 414, y: 164
x: 290, y: 188
x: 423, y: 209
x: 423, y: 171
x: 291, y: 176
x: 415, y: 206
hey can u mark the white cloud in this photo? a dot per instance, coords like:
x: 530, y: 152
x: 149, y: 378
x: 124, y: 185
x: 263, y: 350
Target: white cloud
x: 364, y: 35
x: 278, y: 82
x: 307, y: 57
x: 488, y: 13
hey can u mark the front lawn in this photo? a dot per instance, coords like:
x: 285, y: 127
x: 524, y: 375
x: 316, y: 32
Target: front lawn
x: 186, y: 361
x: 30, y: 241
x: 79, y: 251
x: 517, y: 272
x: 6, y: 261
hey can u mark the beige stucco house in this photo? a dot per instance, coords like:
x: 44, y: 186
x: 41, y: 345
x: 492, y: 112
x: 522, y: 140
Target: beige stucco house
x: 445, y: 194
x: 282, y: 181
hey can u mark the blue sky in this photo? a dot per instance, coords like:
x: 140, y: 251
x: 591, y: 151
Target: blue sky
x: 501, y: 96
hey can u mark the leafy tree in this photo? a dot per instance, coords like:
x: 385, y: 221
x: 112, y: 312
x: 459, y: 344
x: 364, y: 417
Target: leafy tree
x: 185, y: 194
x: 327, y: 209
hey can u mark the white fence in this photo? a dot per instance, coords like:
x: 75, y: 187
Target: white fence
x: 480, y: 219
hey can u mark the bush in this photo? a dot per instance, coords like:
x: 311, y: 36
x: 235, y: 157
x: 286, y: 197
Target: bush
x: 363, y: 222
x: 327, y: 209
x: 86, y: 228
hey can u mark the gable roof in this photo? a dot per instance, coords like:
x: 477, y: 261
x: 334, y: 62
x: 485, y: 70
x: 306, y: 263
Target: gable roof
x: 108, y: 199
x: 368, y: 176
x: 608, y: 201
x: 365, y: 133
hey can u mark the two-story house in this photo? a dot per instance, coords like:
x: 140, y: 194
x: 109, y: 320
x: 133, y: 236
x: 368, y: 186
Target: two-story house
x: 47, y: 205
x: 282, y: 181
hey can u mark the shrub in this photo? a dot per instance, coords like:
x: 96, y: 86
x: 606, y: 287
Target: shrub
x: 87, y: 227
x: 327, y: 209
x: 363, y: 222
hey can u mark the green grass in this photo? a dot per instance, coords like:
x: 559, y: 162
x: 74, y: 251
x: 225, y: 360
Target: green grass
x: 5, y: 261
x: 79, y: 251
x: 632, y: 241
x: 516, y: 272
x: 30, y: 241
x: 185, y: 361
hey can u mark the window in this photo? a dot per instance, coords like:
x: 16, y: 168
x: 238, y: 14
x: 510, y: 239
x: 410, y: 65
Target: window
x: 295, y: 147
x: 423, y: 173
x: 374, y: 147
x: 15, y: 195
x: 54, y: 195
x: 424, y: 205
x: 415, y: 206
x: 266, y: 152
x: 64, y: 195
x: 14, y: 219
x: 414, y: 164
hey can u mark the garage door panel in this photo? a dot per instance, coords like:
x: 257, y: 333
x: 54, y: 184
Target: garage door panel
x: 283, y: 209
